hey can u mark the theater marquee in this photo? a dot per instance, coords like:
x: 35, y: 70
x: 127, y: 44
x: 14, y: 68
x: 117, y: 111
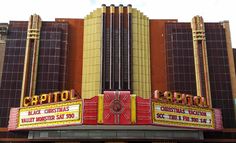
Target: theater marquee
x: 58, y: 114
x: 182, y: 116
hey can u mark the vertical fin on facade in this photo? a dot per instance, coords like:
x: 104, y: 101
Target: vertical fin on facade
x: 129, y: 11
x: 32, y: 43
x: 116, y: 48
x: 103, y: 50
x: 121, y: 47
x: 231, y: 62
x: 201, y: 59
x: 3, y: 37
x: 112, y: 47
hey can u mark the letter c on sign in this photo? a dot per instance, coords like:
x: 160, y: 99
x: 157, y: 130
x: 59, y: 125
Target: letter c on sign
x: 26, y: 101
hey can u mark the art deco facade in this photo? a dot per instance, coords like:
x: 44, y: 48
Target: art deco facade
x: 51, y: 62
x: 116, y: 53
x: 181, y: 72
x: 118, y: 48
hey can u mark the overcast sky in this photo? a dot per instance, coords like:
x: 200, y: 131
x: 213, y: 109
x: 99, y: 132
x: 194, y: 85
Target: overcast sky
x: 183, y: 10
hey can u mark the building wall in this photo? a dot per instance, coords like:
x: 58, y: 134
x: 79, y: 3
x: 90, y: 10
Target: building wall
x: 3, y: 36
x: 158, y: 54
x: 52, y: 57
x: 141, y: 70
x: 12, y: 69
x: 51, y: 69
x: 231, y: 61
x: 219, y: 72
x: 180, y: 65
x: 75, y: 53
x: 180, y: 62
x: 91, y: 54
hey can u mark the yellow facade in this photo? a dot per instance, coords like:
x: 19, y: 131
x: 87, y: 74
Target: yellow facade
x: 91, y: 76
x: 141, y: 74
x: 91, y: 54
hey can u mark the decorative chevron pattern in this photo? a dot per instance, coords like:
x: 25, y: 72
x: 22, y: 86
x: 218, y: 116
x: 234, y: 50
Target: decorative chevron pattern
x: 117, y: 107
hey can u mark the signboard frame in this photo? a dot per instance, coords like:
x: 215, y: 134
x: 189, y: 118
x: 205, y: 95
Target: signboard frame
x: 60, y: 123
x: 181, y: 123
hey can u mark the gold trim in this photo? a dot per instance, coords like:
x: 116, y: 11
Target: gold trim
x: 104, y: 9
x: 182, y: 123
x: 121, y: 10
x: 129, y: 9
x: 100, y: 108
x: 133, y: 108
x: 231, y: 62
x: 33, y: 35
x: 74, y: 121
x: 112, y: 9
x: 198, y: 34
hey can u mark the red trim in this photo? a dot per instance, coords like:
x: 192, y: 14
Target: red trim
x: 41, y: 127
x: 220, y: 140
x: 3, y: 130
x: 229, y: 130
x: 15, y: 139
x: 175, y: 126
x: 66, y: 140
